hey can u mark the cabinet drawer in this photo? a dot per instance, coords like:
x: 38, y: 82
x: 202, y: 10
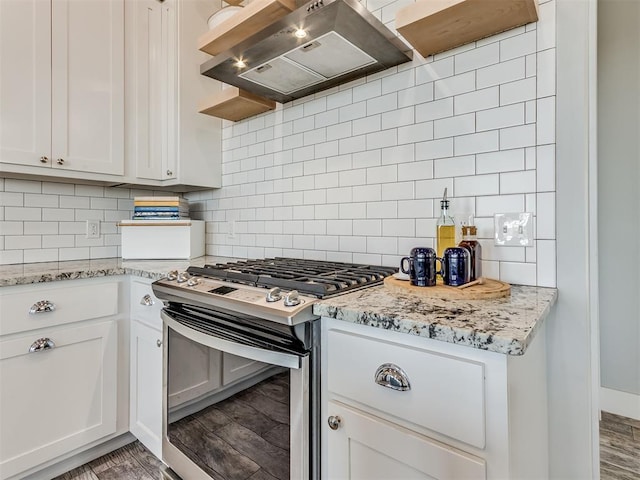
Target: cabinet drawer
x: 446, y: 394
x: 145, y: 306
x: 71, y: 302
x: 58, y: 399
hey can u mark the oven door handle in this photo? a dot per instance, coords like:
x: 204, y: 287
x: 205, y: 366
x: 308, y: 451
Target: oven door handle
x: 210, y: 340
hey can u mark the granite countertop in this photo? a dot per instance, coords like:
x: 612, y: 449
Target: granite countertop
x: 503, y: 325
x: 23, y: 274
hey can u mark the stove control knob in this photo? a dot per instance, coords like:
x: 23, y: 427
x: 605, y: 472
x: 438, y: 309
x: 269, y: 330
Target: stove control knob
x: 183, y: 277
x: 172, y: 275
x: 292, y: 299
x: 274, y: 295
x: 193, y: 281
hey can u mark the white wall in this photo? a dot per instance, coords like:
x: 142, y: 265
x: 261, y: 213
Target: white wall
x: 619, y: 197
x: 355, y: 173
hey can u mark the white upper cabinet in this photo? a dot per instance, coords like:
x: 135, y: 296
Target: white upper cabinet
x: 168, y: 142
x: 62, y: 87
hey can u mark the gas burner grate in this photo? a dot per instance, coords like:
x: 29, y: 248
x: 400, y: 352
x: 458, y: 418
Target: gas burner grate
x: 312, y: 277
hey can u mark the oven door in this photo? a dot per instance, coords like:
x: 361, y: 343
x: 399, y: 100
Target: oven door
x: 236, y: 397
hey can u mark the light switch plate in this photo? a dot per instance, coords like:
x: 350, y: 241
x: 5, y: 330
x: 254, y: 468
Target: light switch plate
x: 513, y: 229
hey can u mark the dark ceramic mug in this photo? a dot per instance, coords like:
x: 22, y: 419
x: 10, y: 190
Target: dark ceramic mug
x: 456, y: 266
x: 421, y: 266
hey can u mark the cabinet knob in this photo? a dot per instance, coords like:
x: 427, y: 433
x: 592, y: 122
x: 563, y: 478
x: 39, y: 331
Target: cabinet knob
x: 392, y: 376
x: 60, y: 161
x: 147, y: 301
x: 159, y: 343
x: 43, y: 306
x: 41, y: 345
x: 44, y: 159
x: 169, y: 173
x: 334, y: 422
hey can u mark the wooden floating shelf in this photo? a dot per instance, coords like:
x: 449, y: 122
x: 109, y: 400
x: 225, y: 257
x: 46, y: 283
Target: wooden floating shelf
x: 251, y: 19
x: 234, y: 104
x: 433, y: 26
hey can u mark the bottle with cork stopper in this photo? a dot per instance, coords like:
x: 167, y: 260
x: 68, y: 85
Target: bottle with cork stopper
x: 470, y: 242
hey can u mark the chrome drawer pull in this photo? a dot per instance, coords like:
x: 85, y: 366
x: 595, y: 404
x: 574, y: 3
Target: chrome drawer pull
x: 42, y: 306
x: 41, y: 345
x: 392, y: 376
x: 147, y: 301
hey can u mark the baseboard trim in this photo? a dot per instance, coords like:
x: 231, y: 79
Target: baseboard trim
x: 60, y: 466
x: 620, y: 403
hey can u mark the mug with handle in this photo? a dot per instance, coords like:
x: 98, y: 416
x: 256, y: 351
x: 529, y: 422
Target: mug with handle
x: 421, y: 266
x: 456, y: 266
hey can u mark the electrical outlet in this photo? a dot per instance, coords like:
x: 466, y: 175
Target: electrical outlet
x: 93, y: 228
x: 513, y: 229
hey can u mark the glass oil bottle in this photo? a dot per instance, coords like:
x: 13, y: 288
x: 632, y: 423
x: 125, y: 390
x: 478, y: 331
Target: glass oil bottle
x: 470, y: 242
x: 445, y: 228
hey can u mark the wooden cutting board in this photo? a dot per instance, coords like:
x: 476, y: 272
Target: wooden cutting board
x: 490, y: 289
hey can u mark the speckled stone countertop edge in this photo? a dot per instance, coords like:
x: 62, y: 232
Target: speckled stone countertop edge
x: 520, y: 319
x: 33, y: 273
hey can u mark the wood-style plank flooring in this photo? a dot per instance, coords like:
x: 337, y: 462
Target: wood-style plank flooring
x: 619, y: 448
x: 619, y: 456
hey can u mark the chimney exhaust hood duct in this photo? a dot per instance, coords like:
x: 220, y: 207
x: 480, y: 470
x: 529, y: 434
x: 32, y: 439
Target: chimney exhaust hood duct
x: 321, y: 44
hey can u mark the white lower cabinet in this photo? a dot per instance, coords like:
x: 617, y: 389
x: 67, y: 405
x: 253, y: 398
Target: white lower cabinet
x: 145, y: 406
x: 59, y: 388
x: 366, y: 447
x: 398, y: 406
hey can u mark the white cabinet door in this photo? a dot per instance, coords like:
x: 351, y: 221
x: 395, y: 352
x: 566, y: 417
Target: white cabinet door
x: 56, y: 400
x: 168, y: 142
x: 25, y: 82
x: 150, y: 119
x: 88, y: 85
x: 145, y: 413
x: 62, y: 86
x: 365, y: 447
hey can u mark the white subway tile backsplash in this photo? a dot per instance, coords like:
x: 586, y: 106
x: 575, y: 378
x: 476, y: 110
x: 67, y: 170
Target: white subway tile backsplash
x: 477, y: 58
x: 452, y: 126
x: 455, y: 85
x: 434, y: 110
x: 348, y: 174
x: 367, y: 193
x: 476, y: 100
x: 476, y: 143
x: 502, y: 161
x: 501, y: 117
x: 454, y: 166
x: 518, y: 182
x: 436, y: 70
x: 517, y: 137
x: 500, y: 73
x: 476, y: 185
x: 546, y: 121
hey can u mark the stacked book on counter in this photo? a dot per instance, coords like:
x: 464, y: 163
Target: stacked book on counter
x: 160, y: 208
x: 161, y: 229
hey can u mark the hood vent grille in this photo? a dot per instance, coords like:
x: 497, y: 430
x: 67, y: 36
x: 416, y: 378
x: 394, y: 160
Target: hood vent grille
x: 342, y: 41
x: 309, y: 65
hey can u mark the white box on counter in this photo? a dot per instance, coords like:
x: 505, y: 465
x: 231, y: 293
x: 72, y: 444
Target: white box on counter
x: 162, y: 239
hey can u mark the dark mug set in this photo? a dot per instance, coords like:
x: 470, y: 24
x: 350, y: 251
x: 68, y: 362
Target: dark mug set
x: 455, y: 266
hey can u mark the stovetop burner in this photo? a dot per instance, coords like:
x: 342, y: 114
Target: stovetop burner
x: 312, y: 277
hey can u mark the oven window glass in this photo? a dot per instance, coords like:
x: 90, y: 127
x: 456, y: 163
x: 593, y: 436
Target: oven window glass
x: 229, y: 415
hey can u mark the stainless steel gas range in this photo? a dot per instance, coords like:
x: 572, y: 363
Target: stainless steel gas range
x: 247, y: 328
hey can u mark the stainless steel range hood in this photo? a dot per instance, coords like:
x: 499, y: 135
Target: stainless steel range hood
x: 321, y: 44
